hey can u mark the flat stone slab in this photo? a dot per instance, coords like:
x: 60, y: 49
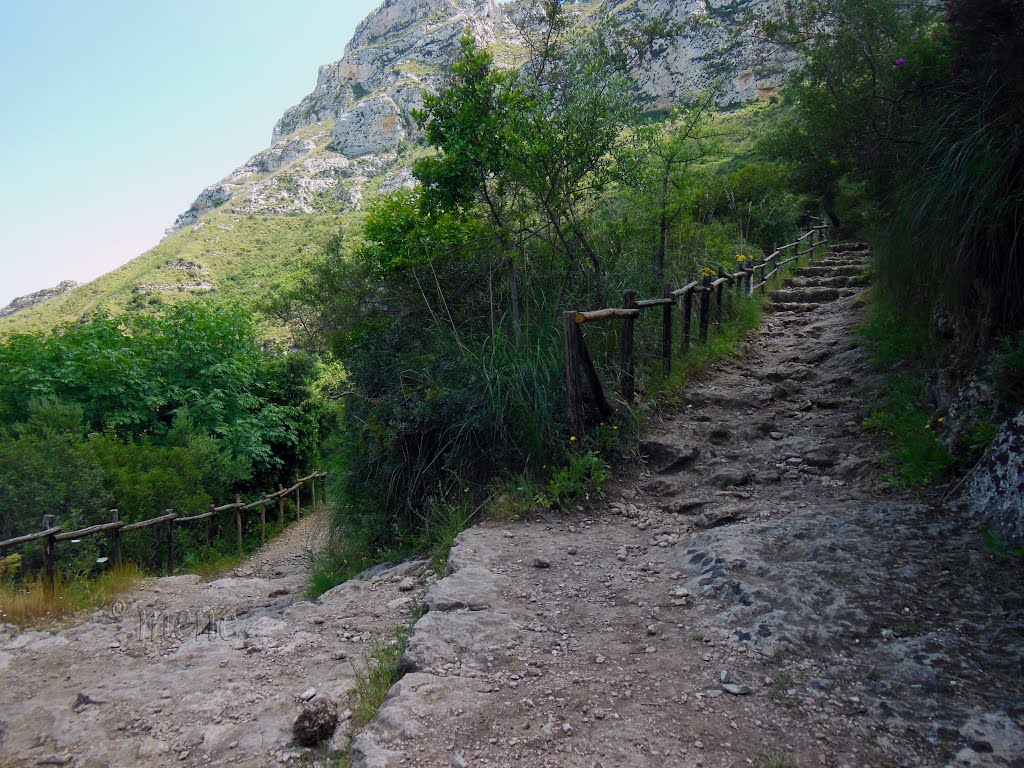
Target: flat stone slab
x: 664, y: 457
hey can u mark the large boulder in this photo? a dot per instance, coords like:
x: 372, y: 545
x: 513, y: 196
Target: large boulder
x: 995, y: 490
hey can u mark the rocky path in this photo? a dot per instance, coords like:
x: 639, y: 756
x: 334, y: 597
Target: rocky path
x: 190, y: 672
x: 757, y: 597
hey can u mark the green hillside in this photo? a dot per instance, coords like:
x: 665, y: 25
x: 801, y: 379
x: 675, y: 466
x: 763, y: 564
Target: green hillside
x: 231, y: 257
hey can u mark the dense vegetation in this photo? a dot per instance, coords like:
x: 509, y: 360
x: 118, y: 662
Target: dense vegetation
x: 909, y: 120
x: 545, y: 190
x: 147, y: 412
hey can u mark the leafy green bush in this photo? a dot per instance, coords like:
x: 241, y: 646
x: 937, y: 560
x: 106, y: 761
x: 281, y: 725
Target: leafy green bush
x: 146, y: 413
x: 583, y: 477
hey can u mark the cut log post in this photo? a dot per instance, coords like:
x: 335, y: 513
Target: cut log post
x: 628, y: 352
x: 280, y: 507
x: 238, y: 523
x: 312, y: 487
x: 705, y: 308
x: 298, y: 500
x: 50, y: 555
x: 573, y: 387
x: 687, y: 318
x: 593, y: 379
x: 115, y: 539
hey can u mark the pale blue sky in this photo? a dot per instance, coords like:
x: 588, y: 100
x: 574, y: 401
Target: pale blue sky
x: 116, y: 114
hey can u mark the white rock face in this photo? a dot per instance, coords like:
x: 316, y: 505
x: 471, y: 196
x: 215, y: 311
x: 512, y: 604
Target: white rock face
x: 371, y: 126
x: 327, y: 147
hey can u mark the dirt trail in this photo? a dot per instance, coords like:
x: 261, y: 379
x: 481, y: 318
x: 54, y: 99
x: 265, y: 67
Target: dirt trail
x: 191, y: 672
x: 758, y: 597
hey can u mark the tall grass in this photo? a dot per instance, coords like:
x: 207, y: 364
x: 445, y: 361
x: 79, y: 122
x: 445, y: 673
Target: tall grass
x: 903, y: 342
x: 30, y: 602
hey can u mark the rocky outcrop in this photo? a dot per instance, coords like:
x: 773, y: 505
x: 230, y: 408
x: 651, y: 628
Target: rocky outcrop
x: 995, y: 490
x: 328, y: 146
x: 399, y: 50
x: 374, y: 125
x: 30, y: 300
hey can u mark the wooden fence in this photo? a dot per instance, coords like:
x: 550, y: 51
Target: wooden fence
x: 707, y: 293
x: 52, y: 533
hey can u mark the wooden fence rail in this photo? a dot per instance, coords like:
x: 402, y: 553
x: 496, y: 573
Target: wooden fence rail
x: 707, y: 292
x: 52, y: 533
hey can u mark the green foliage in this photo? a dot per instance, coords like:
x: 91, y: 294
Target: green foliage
x: 905, y: 344
x: 148, y: 412
x: 997, y: 544
x: 242, y: 256
x: 44, y: 470
x: 1006, y: 372
x: 581, y: 478
x: 915, y: 116
x: 918, y: 456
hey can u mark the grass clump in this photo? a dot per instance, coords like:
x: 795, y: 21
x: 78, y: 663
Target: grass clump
x: 381, y: 668
x: 776, y: 760
x: 904, y: 343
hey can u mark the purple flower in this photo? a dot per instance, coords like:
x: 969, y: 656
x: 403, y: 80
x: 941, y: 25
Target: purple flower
x: 901, y: 62
x: 913, y: 39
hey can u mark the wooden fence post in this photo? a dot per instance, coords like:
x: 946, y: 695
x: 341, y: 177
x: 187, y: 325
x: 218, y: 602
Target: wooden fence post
x: 810, y: 254
x: 280, y: 508
x: 50, y: 554
x: 170, y: 543
x: 263, y: 522
x: 666, y: 331
x: 573, y: 388
x: 705, y: 307
x: 687, y: 317
x: 592, y: 378
x: 298, y: 500
x: 210, y: 523
x: 115, y: 538
x: 628, y: 356
x: 718, y: 297
x: 312, y: 487
x: 238, y: 523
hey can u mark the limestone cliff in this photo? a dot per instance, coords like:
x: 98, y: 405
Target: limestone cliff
x: 342, y: 140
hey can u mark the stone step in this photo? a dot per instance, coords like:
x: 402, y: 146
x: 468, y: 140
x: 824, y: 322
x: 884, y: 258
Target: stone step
x: 834, y: 271
x: 787, y: 306
x: 804, y: 295
x: 828, y: 281
x: 829, y: 261
x: 852, y: 245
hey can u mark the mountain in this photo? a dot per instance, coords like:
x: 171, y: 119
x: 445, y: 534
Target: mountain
x: 354, y: 138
